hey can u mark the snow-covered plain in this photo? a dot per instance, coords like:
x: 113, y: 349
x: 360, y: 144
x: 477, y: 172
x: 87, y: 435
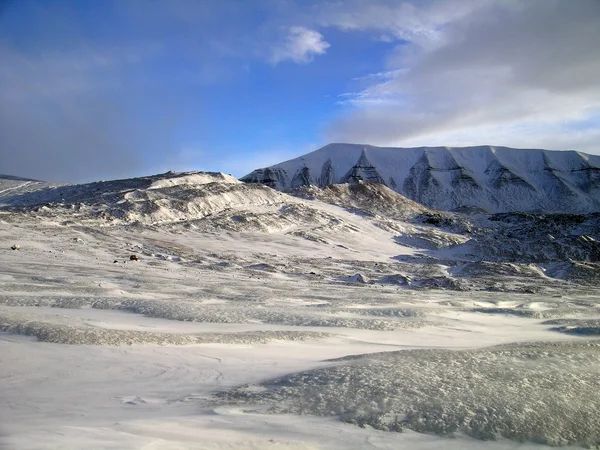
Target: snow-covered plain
x: 345, y: 318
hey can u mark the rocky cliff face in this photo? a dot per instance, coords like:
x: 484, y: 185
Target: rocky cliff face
x: 485, y: 178
x: 363, y: 170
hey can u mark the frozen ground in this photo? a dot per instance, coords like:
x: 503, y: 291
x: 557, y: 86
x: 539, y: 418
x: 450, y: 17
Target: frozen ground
x: 278, y: 322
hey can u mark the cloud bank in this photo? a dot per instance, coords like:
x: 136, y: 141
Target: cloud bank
x: 511, y: 73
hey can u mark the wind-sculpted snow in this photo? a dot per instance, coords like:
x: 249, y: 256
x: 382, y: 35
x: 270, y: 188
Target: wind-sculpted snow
x: 542, y: 392
x: 241, y: 312
x: 251, y: 313
x: 530, y: 313
x: 182, y: 285
x: 539, y: 308
x: 485, y: 178
x: 58, y: 301
x: 579, y: 327
x: 62, y: 332
x: 387, y: 312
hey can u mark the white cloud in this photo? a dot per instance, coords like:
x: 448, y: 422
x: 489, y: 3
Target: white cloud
x: 300, y: 45
x: 526, y: 134
x: 518, y: 73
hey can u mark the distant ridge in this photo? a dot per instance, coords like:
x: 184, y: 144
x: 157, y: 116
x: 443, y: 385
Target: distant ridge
x: 482, y: 178
x: 14, y: 178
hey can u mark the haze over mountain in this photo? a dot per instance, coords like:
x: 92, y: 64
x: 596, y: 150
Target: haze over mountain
x: 486, y: 178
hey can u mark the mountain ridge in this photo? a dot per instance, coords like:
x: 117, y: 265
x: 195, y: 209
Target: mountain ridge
x: 494, y: 179
x: 17, y: 178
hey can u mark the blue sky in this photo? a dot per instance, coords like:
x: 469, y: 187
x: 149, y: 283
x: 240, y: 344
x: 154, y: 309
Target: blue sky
x: 97, y: 89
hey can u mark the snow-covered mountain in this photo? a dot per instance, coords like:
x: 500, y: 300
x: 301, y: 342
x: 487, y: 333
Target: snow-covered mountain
x: 492, y: 179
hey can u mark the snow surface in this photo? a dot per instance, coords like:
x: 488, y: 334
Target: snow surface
x: 254, y: 319
x: 492, y: 179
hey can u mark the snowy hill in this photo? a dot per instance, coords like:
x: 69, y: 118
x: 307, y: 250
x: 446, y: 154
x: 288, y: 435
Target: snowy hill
x: 206, y: 202
x: 492, y: 179
x: 153, y: 199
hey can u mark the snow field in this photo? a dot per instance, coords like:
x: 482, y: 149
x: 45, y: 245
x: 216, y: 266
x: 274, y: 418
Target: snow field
x: 261, y: 320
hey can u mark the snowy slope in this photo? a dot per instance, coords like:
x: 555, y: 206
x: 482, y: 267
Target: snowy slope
x: 493, y: 179
x: 255, y: 319
x: 209, y: 202
x: 154, y: 199
x: 360, y: 220
x: 11, y: 186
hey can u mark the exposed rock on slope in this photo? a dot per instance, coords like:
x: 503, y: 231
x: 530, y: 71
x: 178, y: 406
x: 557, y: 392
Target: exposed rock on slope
x: 536, y: 238
x: 362, y: 170
x: 366, y: 197
x: 417, y: 225
x: 492, y: 179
